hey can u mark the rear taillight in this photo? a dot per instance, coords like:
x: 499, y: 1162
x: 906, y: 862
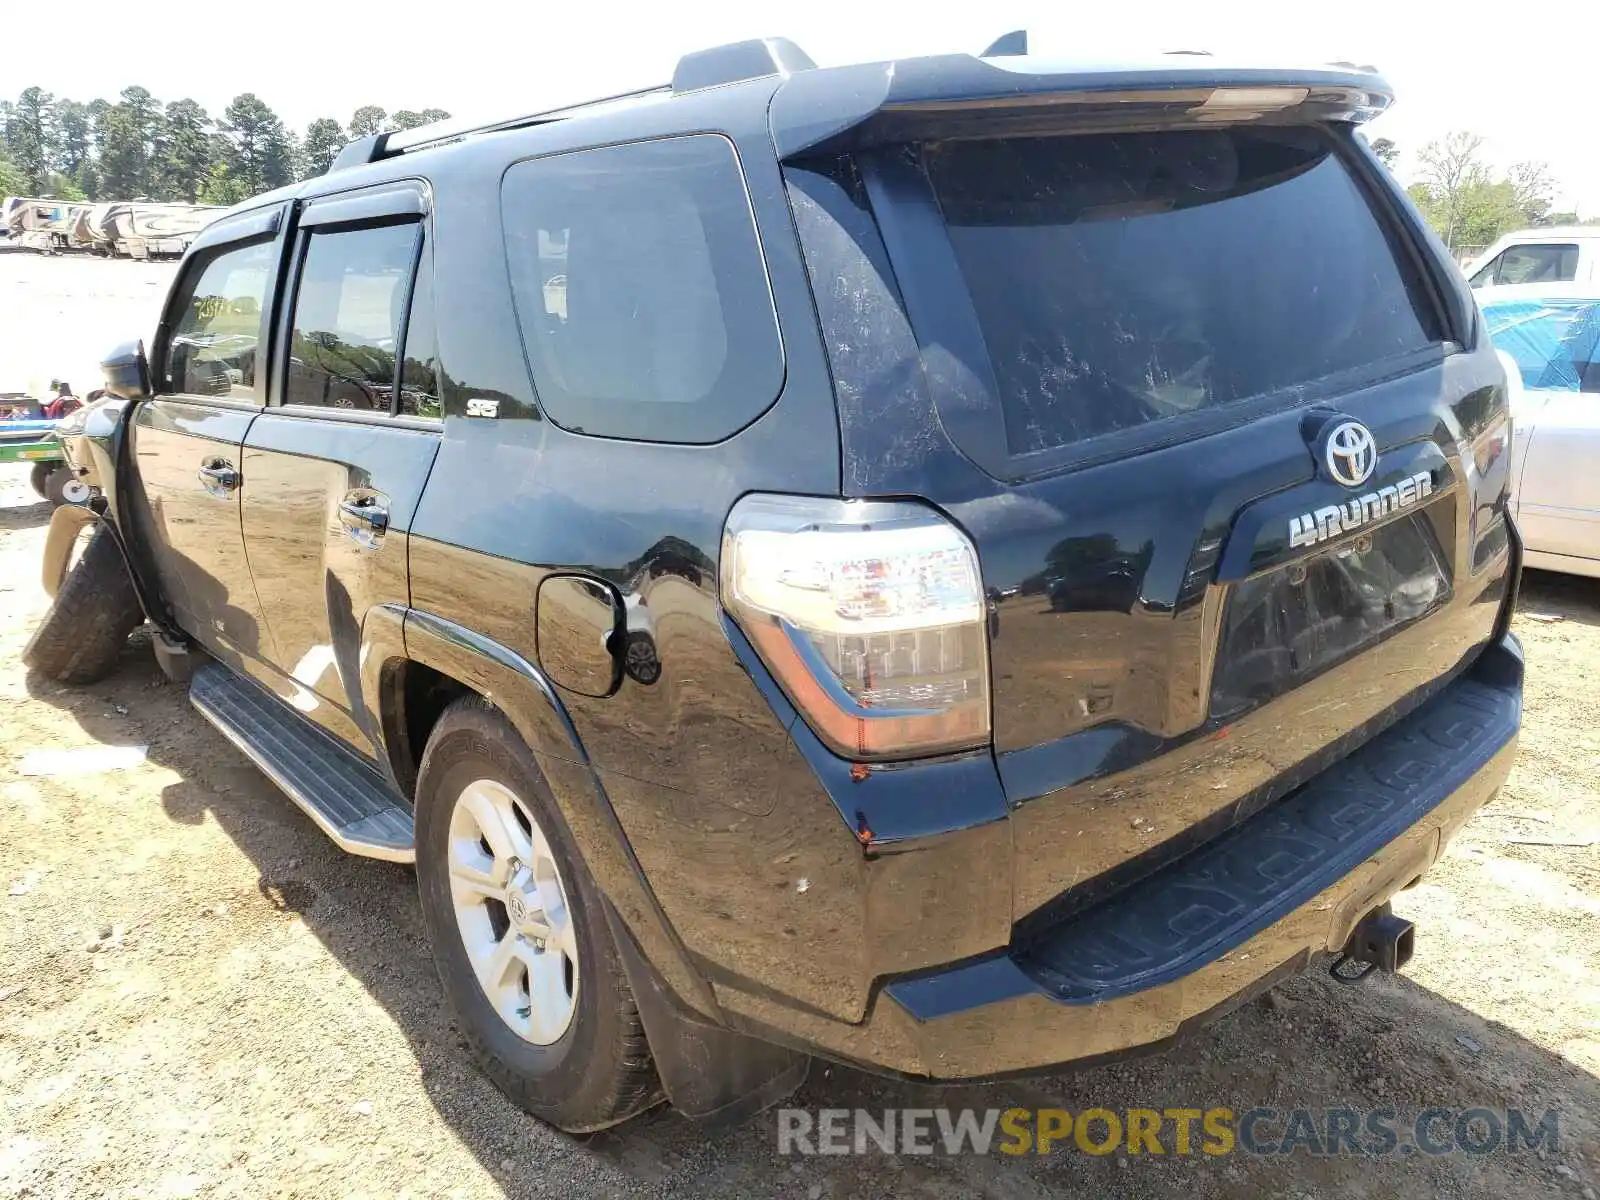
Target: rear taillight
x: 871, y: 616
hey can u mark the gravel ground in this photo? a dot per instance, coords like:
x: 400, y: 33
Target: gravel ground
x: 199, y: 995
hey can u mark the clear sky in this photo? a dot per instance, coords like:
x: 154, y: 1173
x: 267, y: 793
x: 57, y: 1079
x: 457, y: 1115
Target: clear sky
x: 1524, y: 91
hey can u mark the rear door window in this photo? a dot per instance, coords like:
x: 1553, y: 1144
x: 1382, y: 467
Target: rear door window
x: 419, y: 371
x: 641, y: 290
x: 1124, y: 279
x: 348, y: 308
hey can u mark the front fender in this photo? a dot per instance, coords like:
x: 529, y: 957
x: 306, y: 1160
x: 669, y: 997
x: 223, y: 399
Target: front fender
x: 66, y: 523
x: 97, y: 447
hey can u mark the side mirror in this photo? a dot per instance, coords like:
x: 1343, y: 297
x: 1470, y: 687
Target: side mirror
x: 127, y: 372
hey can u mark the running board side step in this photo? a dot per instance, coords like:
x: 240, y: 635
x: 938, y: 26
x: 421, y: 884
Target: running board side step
x: 349, y: 801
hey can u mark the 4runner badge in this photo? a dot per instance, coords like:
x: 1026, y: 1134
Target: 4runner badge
x: 1310, y: 528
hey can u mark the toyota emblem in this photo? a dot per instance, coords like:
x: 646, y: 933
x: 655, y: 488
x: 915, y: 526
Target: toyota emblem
x: 1349, y: 453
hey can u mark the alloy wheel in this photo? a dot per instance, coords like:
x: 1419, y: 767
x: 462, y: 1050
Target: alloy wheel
x: 512, y: 912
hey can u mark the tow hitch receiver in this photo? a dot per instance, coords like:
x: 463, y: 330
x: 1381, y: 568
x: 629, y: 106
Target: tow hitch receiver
x: 1380, y: 941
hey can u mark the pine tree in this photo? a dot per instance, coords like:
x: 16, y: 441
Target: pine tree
x: 73, y: 144
x: 144, y: 114
x: 130, y: 138
x: 124, y: 162
x: 30, y: 137
x: 186, y: 150
x: 283, y: 159
x: 324, y: 139
x: 260, y: 152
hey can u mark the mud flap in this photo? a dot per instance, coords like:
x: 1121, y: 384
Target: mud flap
x: 716, y: 1076
x: 65, y: 524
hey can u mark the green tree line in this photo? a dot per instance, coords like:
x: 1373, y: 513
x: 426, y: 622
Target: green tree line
x: 1470, y: 204
x: 138, y: 148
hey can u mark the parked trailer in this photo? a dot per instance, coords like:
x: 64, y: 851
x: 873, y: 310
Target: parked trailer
x: 117, y: 228
x: 13, y: 204
x: 136, y: 229
x: 42, y: 224
x: 81, y: 235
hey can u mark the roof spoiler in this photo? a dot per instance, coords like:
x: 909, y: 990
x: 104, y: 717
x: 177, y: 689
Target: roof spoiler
x: 956, y: 94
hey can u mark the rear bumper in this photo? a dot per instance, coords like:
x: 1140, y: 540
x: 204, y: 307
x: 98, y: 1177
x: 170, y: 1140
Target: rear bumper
x: 1188, y: 941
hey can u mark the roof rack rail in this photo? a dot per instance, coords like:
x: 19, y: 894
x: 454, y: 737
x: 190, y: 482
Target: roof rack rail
x: 378, y: 146
x: 738, y: 61
x: 718, y: 65
x: 1008, y: 45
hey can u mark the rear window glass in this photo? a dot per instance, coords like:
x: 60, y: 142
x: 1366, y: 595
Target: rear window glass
x: 641, y: 290
x: 1120, y: 279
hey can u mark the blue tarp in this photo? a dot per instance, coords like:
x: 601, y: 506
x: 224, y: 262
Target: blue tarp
x: 1551, y: 340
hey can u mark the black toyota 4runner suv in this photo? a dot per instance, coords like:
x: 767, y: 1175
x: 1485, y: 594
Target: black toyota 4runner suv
x: 956, y: 566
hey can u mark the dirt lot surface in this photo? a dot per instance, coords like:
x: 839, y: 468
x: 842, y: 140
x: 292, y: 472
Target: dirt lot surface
x: 199, y: 995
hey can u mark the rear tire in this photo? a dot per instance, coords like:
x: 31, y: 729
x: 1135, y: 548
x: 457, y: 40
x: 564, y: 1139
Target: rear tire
x: 596, y: 1071
x: 82, y: 635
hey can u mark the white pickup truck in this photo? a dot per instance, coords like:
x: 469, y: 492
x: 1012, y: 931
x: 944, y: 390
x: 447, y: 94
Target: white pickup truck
x: 1556, y: 254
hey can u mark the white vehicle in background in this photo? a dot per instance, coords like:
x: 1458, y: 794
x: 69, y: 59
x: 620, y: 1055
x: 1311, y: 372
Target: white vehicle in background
x: 1557, y: 254
x: 1548, y: 337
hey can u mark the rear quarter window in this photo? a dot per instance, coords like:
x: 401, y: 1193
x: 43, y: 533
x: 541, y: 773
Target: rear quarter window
x: 1123, y: 279
x: 641, y: 290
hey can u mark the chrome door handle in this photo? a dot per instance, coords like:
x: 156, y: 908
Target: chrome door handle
x: 217, y: 475
x: 365, y: 516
